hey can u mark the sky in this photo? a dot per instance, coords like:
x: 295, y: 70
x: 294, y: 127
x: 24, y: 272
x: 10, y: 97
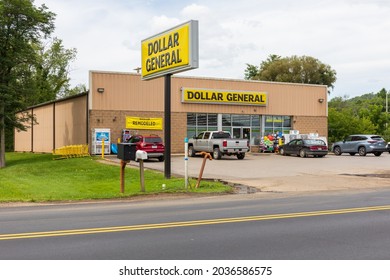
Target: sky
x: 352, y: 36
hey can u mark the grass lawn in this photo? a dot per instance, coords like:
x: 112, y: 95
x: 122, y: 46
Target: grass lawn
x: 32, y: 177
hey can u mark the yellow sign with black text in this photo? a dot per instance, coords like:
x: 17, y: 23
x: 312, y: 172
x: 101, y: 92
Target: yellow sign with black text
x: 144, y: 123
x: 172, y: 51
x: 216, y: 96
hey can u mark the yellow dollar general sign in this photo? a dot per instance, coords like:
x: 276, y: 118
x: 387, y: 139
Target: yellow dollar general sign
x: 172, y: 51
x: 144, y: 123
x: 196, y: 95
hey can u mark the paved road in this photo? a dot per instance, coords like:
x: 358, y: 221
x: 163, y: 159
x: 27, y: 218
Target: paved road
x: 227, y: 227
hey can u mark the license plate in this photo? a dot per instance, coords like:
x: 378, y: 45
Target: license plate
x: 320, y: 149
x: 154, y: 146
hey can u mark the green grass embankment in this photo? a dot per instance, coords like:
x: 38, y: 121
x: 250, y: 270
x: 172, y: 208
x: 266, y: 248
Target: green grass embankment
x: 30, y: 177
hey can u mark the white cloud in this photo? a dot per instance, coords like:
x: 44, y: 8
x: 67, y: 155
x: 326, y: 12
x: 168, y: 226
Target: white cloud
x: 349, y: 35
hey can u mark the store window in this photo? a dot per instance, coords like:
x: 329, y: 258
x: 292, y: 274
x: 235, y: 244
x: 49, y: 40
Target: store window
x: 197, y: 123
x: 273, y: 124
x: 253, y: 127
x: 241, y: 120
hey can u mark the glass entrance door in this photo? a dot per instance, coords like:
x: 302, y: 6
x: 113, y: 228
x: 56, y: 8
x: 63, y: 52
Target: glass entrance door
x: 241, y: 132
x: 236, y: 133
x: 246, y: 133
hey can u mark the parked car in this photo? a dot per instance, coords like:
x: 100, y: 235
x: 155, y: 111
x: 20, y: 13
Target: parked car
x: 152, y: 144
x: 361, y: 144
x: 388, y: 147
x: 218, y: 143
x: 304, y: 148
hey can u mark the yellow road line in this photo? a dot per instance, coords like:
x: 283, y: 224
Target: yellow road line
x: 190, y: 223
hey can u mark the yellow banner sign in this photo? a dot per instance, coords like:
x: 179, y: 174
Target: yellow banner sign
x: 224, y: 96
x: 172, y: 51
x: 144, y: 123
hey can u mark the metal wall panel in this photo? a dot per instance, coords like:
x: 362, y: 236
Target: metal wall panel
x: 126, y: 91
x: 43, y: 130
x: 70, y: 122
x: 59, y: 123
x: 22, y: 140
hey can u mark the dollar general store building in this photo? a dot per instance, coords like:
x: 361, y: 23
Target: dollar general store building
x: 121, y: 102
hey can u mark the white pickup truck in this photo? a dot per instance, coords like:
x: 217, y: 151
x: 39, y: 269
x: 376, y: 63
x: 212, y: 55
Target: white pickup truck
x: 218, y: 143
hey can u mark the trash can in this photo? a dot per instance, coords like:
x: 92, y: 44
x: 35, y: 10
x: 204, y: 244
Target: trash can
x: 126, y: 151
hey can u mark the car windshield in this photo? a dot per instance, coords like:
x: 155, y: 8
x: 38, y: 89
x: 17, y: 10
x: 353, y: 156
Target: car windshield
x: 153, y: 140
x: 315, y: 142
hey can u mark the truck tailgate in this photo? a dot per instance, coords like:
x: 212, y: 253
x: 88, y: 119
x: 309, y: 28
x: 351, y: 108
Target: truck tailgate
x: 234, y: 145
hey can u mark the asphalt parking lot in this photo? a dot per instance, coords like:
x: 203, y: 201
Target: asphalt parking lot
x: 274, y: 173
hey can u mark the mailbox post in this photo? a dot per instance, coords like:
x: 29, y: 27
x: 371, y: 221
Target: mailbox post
x: 126, y: 152
x: 140, y: 156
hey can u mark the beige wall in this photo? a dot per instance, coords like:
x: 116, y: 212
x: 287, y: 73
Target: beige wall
x: 71, y: 122
x: 43, y: 130
x: 125, y: 91
x: 125, y: 94
x: 23, y: 141
x: 59, y: 123
x: 65, y: 122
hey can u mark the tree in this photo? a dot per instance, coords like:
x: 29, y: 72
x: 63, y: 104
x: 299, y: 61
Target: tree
x: 294, y: 69
x: 22, y: 27
x: 364, y: 114
x: 48, y: 77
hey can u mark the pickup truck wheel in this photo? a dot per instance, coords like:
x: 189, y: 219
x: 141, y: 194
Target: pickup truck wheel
x: 241, y: 156
x: 191, y: 151
x: 216, y: 153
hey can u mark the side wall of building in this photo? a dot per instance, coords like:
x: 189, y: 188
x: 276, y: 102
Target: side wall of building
x: 57, y: 124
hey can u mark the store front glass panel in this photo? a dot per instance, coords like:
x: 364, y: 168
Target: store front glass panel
x: 239, y: 125
x: 226, y: 120
x: 212, y: 120
x: 241, y: 120
x: 274, y: 124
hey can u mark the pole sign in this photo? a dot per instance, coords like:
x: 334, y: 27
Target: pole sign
x: 172, y: 51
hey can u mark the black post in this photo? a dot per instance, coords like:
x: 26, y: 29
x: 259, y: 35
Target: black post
x: 167, y: 126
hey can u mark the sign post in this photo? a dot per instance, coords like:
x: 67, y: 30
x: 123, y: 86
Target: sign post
x: 167, y: 126
x: 169, y: 52
x: 186, y: 162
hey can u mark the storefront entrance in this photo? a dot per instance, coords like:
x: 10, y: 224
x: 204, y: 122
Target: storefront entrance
x: 241, y: 132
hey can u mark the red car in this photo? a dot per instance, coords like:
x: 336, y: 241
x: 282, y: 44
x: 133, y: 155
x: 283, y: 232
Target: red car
x: 152, y: 144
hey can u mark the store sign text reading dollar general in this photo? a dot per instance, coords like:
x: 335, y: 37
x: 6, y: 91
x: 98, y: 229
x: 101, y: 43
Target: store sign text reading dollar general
x: 172, y: 51
x: 192, y: 95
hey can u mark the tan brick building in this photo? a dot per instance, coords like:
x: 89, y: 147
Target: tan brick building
x: 248, y: 109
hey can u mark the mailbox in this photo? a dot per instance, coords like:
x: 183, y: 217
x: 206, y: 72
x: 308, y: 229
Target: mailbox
x: 141, y: 155
x: 126, y: 151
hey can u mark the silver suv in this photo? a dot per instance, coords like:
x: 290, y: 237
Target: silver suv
x: 361, y: 144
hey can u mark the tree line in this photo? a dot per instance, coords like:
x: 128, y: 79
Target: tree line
x: 365, y: 114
